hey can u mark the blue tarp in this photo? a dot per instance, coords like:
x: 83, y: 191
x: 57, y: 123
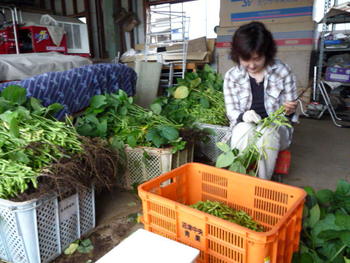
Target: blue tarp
x: 74, y: 88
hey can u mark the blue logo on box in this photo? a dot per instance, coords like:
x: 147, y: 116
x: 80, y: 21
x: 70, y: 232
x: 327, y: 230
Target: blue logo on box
x: 272, y: 13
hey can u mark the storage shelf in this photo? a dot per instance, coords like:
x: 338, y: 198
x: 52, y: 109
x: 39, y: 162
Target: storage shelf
x: 338, y: 20
x: 336, y: 49
x: 329, y: 18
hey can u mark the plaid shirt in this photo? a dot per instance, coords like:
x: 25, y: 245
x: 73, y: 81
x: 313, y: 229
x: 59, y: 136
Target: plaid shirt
x: 279, y: 84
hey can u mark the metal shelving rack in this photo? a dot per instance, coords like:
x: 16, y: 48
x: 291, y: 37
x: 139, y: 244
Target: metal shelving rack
x: 327, y: 6
x: 319, y: 88
x: 167, y: 31
x: 16, y: 18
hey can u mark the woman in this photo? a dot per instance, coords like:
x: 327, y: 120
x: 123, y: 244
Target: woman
x: 257, y: 86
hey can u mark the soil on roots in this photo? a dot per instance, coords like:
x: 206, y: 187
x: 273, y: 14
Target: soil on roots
x: 97, y: 165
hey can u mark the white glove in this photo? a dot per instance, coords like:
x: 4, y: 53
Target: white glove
x: 251, y: 116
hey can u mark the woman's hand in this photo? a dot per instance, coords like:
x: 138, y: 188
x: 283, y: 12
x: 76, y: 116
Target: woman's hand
x: 290, y: 106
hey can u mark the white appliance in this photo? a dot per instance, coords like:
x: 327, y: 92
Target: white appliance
x: 77, y: 33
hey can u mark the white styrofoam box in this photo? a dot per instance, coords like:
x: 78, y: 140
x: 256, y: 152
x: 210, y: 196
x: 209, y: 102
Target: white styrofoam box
x: 145, y: 246
x: 38, y: 230
x: 145, y: 163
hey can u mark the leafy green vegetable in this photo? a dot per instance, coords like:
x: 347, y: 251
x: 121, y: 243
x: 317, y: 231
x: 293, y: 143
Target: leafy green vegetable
x: 71, y: 249
x: 325, y: 236
x: 29, y: 140
x: 196, y: 98
x: 82, y: 246
x: 14, y: 94
x: 116, y: 116
x: 181, y: 92
x: 85, y: 246
x: 245, y: 161
x: 225, y: 159
x: 223, y: 147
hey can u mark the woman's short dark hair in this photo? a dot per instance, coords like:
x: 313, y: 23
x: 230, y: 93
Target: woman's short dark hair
x: 253, y: 38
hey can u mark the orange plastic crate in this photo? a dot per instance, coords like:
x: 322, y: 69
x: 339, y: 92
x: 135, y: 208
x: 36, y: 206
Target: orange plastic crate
x: 277, y: 207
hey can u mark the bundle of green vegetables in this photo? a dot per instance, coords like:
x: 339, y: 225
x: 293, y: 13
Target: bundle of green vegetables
x: 196, y: 98
x: 245, y: 161
x: 115, y: 117
x: 29, y: 140
x: 225, y: 212
x: 325, y: 236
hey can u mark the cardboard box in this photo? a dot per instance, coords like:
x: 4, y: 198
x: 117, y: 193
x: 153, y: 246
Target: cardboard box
x: 193, y: 56
x: 194, y: 45
x: 288, y: 36
x: 299, y: 61
x: 338, y: 74
x: 269, y: 11
x: 199, y: 50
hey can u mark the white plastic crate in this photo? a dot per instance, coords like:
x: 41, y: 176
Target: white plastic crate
x: 145, y: 163
x: 209, y: 149
x: 38, y: 230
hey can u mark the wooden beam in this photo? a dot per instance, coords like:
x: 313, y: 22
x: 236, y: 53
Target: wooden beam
x: 42, y: 4
x: 53, y: 6
x: 118, y: 7
x: 75, y: 7
x: 80, y: 14
x: 101, y: 32
x: 167, y: 2
x: 64, y: 10
x: 89, y: 26
x: 146, y: 7
x: 132, y: 36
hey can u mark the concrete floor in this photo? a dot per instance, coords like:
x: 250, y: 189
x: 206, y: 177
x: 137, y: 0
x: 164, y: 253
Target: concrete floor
x: 320, y: 154
x: 320, y: 157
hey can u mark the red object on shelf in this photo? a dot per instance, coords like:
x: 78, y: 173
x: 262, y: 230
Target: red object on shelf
x: 31, y: 39
x: 283, y: 162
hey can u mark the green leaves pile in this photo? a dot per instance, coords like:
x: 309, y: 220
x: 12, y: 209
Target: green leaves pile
x: 325, y: 235
x: 196, y: 98
x: 82, y: 246
x: 225, y: 212
x: 117, y: 118
x: 29, y: 140
x: 245, y: 161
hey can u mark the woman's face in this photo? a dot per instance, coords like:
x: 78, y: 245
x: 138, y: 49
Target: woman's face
x: 254, y: 65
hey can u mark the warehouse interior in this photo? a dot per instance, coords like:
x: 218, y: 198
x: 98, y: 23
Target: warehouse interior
x: 116, y: 125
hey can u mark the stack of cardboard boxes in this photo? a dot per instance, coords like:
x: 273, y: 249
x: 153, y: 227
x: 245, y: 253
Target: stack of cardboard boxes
x: 290, y: 22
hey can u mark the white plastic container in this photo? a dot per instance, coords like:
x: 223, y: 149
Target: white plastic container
x: 145, y: 163
x: 38, y: 230
x: 209, y: 149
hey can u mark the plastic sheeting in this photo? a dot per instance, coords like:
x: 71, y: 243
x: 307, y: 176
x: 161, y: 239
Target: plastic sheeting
x: 22, y: 66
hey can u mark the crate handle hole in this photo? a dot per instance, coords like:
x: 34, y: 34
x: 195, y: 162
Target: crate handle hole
x: 167, y: 182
